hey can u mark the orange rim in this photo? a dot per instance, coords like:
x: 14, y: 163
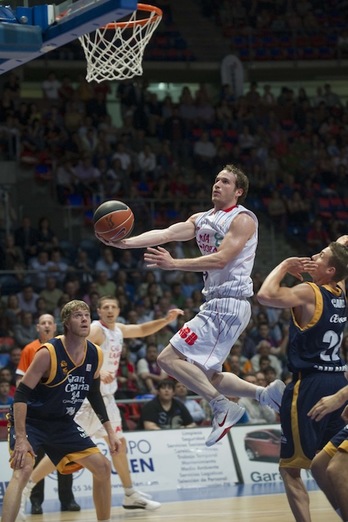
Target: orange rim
x: 141, y: 7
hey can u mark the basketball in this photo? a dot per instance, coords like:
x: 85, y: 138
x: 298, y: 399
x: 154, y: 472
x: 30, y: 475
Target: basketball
x: 113, y: 220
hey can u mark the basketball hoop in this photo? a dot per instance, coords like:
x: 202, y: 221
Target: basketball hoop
x: 115, y: 51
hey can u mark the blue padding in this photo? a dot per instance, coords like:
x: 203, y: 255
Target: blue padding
x: 27, y: 12
x: 7, y: 15
x: 40, y: 16
x: 16, y: 39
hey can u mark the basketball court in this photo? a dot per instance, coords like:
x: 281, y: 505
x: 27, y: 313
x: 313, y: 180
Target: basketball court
x: 266, y: 507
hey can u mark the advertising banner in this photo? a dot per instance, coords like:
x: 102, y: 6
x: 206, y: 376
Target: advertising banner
x: 257, y: 449
x: 166, y: 461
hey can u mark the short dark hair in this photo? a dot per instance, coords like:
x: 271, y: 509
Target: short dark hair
x: 166, y: 383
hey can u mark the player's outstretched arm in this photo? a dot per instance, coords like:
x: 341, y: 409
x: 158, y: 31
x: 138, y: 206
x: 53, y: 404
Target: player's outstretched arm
x: 150, y: 327
x: 183, y: 231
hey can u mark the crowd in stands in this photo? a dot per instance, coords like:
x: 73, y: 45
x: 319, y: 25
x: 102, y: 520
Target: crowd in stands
x: 281, y: 30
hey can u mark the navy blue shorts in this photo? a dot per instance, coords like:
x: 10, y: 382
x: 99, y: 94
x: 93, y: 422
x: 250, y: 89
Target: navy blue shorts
x: 302, y: 437
x: 62, y: 440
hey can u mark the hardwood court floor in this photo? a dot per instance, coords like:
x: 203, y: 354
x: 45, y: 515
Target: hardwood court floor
x: 263, y: 508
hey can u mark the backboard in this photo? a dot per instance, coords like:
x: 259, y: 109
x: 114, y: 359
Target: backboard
x: 29, y: 32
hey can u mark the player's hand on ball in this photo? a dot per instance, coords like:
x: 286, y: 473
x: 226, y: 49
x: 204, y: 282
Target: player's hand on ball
x: 117, y: 244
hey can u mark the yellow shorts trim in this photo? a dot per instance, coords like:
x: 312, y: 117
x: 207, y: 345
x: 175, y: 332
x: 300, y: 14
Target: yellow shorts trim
x: 69, y: 464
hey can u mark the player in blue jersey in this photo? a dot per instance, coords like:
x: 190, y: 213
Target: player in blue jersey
x: 318, y: 319
x: 62, y: 374
x: 227, y: 237
x: 330, y: 465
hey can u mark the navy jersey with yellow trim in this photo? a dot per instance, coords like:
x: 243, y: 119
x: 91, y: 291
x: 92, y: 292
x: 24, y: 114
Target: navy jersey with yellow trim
x: 67, y: 385
x: 317, y: 345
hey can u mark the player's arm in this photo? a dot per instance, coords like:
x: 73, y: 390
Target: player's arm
x: 183, y: 231
x: 272, y: 293
x: 328, y: 404
x: 38, y: 369
x: 241, y: 230
x: 150, y: 327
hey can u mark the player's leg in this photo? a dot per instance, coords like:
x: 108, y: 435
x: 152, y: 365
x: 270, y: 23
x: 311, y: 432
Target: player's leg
x: 194, y: 378
x: 37, y: 492
x: 225, y: 412
x: 100, y: 467
x: 14, y: 490
x: 338, y: 474
x: 133, y: 499
x: 231, y: 385
x: 296, y: 493
x: 319, y: 469
x: 43, y: 468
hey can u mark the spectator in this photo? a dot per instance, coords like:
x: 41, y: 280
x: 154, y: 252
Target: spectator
x: 317, y: 236
x: 26, y: 237
x: 263, y: 348
x: 40, y: 264
x: 6, y: 374
x: 13, y: 253
x: 204, y: 152
x: 25, y: 331
x: 51, y: 293
x: 5, y: 398
x: 12, y: 313
x: 65, y: 177
x: 104, y: 285
x: 164, y: 411
x: 107, y: 263
x: 193, y: 406
x: 11, y: 365
x: 50, y: 87
x: 58, y: 266
x: 47, y: 238
x: 149, y: 373
x: 127, y: 379
x: 257, y: 413
x: 27, y: 299
x: 85, y: 268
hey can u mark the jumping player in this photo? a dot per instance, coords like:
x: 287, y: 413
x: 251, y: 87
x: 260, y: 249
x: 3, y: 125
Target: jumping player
x: 227, y: 238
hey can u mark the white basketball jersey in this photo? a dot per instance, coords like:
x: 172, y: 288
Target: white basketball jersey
x: 112, y: 347
x: 234, y: 279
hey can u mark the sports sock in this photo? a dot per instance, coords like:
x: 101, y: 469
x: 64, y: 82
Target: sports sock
x: 129, y: 491
x: 214, y: 402
x: 259, y: 390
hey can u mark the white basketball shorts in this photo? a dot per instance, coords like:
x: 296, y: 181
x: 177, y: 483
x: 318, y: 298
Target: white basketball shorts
x: 88, y: 420
x: 208, y: 338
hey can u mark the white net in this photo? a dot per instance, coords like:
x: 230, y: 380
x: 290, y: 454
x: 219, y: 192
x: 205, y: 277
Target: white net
x: 115, y: 51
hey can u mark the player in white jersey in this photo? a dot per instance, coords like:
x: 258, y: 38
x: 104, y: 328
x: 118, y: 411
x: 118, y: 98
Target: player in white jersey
x: 227, y: 238
x: 109, y: 334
